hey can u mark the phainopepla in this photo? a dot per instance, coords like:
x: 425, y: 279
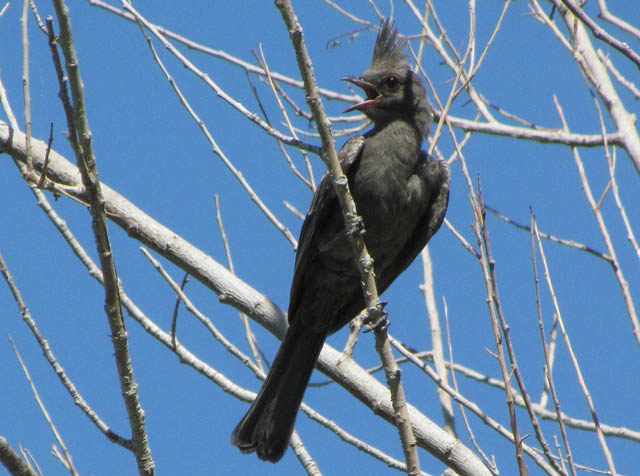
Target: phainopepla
x: 401, y: 195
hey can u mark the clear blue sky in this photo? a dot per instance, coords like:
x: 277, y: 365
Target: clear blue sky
x: 150, y: 151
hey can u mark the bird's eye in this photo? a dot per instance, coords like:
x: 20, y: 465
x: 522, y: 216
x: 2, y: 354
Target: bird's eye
x: 391, y: 82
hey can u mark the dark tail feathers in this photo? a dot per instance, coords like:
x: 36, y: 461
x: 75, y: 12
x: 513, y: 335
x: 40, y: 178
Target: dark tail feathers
x: 268, y: 424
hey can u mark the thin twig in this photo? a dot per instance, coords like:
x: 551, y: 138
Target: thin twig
x: 43, y: 173
x: 596, y: 72
x: 509, y: 115
x: 307, y: 462
x: 615, y: 264
x: 263, y: 62
x: 4, y: 9
x: 602, y: 34
x: 613, y: 184
x: 436, y: 339
x: 630, y: 85
x: 512, y: 357
x: 188, y: 304
x: 44, y: 345
x: 223, y: 55
x: 214, y: 86
x: 611, y: 160
x: 26, y: 89
x: 472, y: 406
x: 574, y: 359
x: 68, y: 460
x: 283, y: 150
x: 176, y: 308
x: 548, y: 368
x: 205, y: 130
x: 606, y: 15
x: 454, y: 63
x: 31, y: 460
x: 251, y: 338
x: 452, y: 96
x: 293, y: 210
x: 487, y: 266
x: 6, y: 106
x: 474, y: 68
x: 36, y: 15
x: 554, y: 239
x: 462, y: 239
x: 551, y: 348
x: 463, y: 412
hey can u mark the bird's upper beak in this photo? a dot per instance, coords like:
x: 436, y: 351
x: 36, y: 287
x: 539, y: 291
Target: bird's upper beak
x: 373, y: 95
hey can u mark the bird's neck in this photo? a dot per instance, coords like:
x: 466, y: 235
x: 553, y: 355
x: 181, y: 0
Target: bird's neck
x: 399, y: 138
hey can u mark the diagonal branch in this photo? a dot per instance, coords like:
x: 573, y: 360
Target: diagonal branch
x: 353, y: 223
x: 602, y: 34
x: 81, y: 137
x: 586, y: 57
x: 12, y: 460
x: 65, y: 458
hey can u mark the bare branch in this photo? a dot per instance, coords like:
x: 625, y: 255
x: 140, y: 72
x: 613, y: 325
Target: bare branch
x: 473, y: 407
x: 253, y: 117
x: 331, y: 95
x: 587, y: 58
x: 44, y: 345
x: 436, y: 339
x: 574, y: 359
x: 352, y: 223
x: 251, y: 338
x: 547, y: 357
x: 26, y: 89
x: 621, y: 79
x: 554, y: 239
x: 615, y: 264
x: 487, y: 265
x: 606, y: 15
x: 205, y: 130
x: 601, y: 34
x: 9, y: 458
x: 66, y: 458
x: 113, y: 306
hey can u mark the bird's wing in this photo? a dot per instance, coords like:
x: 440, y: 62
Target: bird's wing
x: 432, y: 185
x: 325, y: 202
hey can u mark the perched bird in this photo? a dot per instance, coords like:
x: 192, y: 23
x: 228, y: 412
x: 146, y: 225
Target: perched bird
x: 401, y: 195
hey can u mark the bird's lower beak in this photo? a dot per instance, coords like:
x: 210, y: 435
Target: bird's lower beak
x: 369, y: 89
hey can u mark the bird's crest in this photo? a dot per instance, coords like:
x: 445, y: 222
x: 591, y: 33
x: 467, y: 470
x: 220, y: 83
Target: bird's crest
x: 388, y: 50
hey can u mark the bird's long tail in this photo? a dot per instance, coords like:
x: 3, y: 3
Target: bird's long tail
x: 268, y: 424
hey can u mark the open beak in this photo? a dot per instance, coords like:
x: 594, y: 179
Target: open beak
x: 373, y: 95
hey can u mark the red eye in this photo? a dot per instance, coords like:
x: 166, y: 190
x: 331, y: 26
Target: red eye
x: 391, y: 82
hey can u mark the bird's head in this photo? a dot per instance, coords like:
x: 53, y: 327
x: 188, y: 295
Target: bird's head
x: 393, y: 90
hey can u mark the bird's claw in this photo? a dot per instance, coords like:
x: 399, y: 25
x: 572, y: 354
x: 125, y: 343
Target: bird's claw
x: 356, y: 227
x: 377, y: 321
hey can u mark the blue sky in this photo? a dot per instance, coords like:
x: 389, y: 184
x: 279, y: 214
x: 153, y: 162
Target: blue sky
x: 149, y: 150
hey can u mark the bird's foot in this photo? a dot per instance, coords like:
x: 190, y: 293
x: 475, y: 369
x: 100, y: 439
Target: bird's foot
x: 376, y: 319
x: 354, y: 226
